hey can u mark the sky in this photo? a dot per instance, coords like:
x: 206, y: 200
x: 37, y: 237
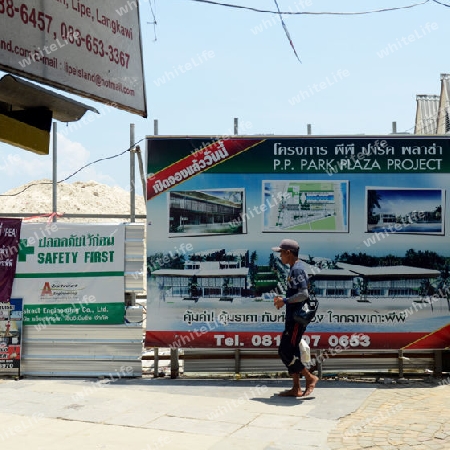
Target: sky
x: 357, y: 75
x: 402, y: 202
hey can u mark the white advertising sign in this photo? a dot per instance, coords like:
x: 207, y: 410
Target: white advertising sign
x: 71, y: 274
x: 89, y: 48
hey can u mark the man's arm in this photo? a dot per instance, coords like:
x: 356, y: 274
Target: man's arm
x: 298, y: 297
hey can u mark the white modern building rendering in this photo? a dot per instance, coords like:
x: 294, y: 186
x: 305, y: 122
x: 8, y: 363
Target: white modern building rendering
x: 223, y: 279
x: 390, y: 281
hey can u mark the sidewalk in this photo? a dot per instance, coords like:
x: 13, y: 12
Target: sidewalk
x: 185, y: 413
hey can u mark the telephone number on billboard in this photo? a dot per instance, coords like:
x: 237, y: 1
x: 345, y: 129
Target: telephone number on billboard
x: 313, y: 340
x: 38, y: 19
x: 42, y: 21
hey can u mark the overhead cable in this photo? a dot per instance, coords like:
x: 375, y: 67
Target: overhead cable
x: 74, y: 173
x: 440, y: 3
x: 154, y: 23
x: 286, y: 31
x: 249, y: 8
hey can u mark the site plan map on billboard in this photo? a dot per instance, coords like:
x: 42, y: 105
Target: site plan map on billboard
x: 370, y: 216
x: 89, y: 48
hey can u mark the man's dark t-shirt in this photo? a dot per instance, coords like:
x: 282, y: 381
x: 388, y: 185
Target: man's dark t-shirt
x: 297, y: 281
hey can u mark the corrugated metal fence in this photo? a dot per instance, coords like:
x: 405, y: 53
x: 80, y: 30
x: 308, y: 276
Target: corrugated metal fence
x: 82, y: 350
x: 93, y: 350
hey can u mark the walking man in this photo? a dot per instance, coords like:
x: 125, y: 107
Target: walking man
x: 297, y: 292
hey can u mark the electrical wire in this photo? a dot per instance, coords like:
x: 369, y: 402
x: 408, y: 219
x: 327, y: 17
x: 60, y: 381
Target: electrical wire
x: 154, y: 23
x: 440, y: 3
x: 100, y: 159
x: 248, y: 8
x: 286, y: 31
x: 77, y: 171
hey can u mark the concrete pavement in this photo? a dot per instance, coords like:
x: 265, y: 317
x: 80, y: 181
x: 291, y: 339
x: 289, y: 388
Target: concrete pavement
x: 220, y: 414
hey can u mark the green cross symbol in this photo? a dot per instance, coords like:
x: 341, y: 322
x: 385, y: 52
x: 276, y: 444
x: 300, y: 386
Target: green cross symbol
x: 24, y: 250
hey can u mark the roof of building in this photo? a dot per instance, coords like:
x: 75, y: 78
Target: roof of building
x: 426, y: 114
x: 208, y: 252
x: 205, y: 269
x: 433, y: 111
x: 327, y: 274
x: 24, y: 95
x: 238, y: 252
x: 390, y: 272
x: 443, y: 125
x: 222, y: 273
x: 204, y: 196
x: 175, y: 272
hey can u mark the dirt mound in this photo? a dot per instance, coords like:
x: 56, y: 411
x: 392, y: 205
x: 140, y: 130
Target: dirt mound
x: 80, y: 197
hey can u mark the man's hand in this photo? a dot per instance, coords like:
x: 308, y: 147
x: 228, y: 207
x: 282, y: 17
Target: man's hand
x: 278, y: 302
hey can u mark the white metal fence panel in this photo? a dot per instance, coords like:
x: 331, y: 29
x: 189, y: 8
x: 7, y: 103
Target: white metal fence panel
x: 135, y: 258
x: 82, y: 350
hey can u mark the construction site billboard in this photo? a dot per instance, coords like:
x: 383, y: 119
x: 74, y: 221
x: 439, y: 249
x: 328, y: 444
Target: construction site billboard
x: 368, y: 212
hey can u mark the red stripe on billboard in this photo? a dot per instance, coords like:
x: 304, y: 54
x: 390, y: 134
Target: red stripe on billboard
x: 332, y: 342
x: 435, y: 340
x: 196, y: 163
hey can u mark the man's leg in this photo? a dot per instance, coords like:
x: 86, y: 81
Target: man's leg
x: 311, y: 381
x: 287, y: 353
x: 296, y: 390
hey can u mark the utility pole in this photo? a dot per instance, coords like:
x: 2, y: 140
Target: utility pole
x: 55, y: 172
x: 132, y: 176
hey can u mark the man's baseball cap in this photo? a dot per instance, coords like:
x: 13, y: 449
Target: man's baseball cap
x: 287, y: 244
